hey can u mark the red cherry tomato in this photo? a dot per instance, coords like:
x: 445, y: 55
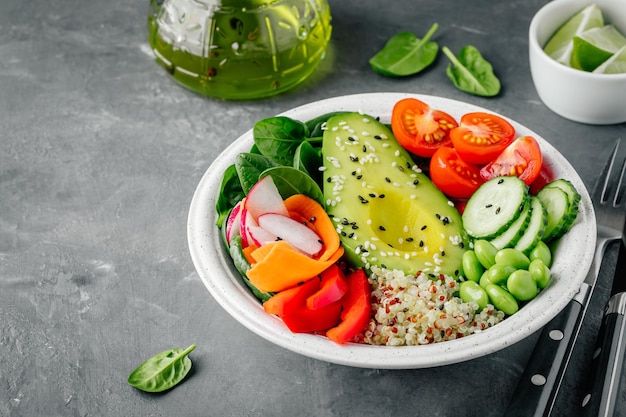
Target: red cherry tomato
x: 452, y: 175
x: 420, y: 129
x: 522, y: 158
x: 481, y: 137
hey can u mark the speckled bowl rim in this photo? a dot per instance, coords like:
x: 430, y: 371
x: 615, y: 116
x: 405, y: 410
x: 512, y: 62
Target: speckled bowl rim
x: 573, y: 257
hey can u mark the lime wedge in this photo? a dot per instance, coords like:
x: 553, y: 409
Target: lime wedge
x: 593, y: 47
x: 560, y: 45
x: 616, y: 64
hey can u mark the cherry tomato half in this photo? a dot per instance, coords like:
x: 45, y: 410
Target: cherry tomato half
x: 452, y: 175
x: 420, y: 129
x: 522, y: 158
x: 481, y: 137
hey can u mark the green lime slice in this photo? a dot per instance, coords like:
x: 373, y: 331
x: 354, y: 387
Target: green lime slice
x: 593, y: 47
x: 560, y: 45
x: 616, y: 64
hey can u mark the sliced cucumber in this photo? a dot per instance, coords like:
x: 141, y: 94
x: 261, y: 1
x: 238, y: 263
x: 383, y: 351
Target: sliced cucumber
x: 510, y: 236
x: 557, y: 205
x: 574, y: 198
x: 536, y: 227
x: 494, y: 207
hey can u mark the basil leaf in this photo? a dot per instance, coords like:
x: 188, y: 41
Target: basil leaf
x: 230, y: 194
x: 405, y: 54
x: 278, y: 137
x: 471, y: 73
x: 162, y: 371
x: 290, y: 181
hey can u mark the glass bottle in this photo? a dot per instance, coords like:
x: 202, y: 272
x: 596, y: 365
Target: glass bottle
x: 239, y: 49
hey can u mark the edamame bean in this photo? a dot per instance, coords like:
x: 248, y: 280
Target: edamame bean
x: 540, y: 273
x: 472, y: 268
x: 543, y: 252
x: 485, y: 252
x: 471, y: 291
x: 498, y: 274
x: 502, y: 300
x: 521, y: 285
x: 512, y: 257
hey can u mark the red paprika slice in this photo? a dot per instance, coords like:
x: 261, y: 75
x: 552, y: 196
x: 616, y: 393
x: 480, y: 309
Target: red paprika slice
x: 357, y: 309
x: 290, y: 306
x: 332, y: 288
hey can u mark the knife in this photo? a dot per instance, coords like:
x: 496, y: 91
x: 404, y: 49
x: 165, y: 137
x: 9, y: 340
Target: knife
x: 600, y: 395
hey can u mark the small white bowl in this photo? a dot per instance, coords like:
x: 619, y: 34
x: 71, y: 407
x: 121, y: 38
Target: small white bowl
x: 574, y: 94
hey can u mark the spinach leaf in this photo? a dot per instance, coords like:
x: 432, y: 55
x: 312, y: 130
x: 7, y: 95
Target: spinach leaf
x: 230, y: 193
x: 405, y: 54
x: 162, y: 371
x: 471, y: 73
x: 242, y: 265
x: 278, y: 137
x: 308, y: 160
x: 249, y: 167
x: 290, y: 181
x: 315, y: 125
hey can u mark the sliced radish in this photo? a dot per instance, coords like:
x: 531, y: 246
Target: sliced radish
x: 293, y: 232
x: 265, y: 198
x: 246, y: 221
x: 233, y: 223
x: 261, y: 236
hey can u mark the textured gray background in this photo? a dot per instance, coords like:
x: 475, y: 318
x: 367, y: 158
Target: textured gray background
x: 100, y: 155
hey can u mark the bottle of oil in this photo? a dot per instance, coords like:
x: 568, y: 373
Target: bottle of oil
x: 239, y: 49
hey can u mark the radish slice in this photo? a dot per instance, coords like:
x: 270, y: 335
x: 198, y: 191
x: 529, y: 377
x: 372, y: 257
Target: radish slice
x: 265, y: 198
x: 295, y: 233
x: 246, y: 222
x: 233, y: 223
x: 261, y: 236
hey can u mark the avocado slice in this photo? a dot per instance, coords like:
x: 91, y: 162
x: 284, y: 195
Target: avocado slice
x: 386, y: 211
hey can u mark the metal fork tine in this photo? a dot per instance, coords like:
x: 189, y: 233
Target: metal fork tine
x: 607, y: 174
x: 618, y: 194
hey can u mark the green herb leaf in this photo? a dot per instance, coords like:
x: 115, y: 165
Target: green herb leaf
x: 471, y: 73
x: 230, y: 193
x: 278, y: 137
x: 162, y: 371
x: 405, y: 54
x: 242, y: 265
x: 290, y: 181
x: 249, y: 167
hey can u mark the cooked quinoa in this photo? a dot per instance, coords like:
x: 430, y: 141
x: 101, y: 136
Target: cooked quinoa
x: 419, y: 310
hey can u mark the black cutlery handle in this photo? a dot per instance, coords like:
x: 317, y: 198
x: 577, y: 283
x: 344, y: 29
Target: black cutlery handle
x: 538, y: 386
x: 608, y: 358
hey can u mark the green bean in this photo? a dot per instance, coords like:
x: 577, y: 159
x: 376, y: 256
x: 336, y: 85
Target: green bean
x: 512, y: 257
x: 471, y: 291
x: 485, y: 252
x: 521, y: 285
x: 540, y: 273
x: 472, y: 268
x: 543, y: 252
x: 502, y: 300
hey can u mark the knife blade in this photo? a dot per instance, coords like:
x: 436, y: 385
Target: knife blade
x: 600, y: 394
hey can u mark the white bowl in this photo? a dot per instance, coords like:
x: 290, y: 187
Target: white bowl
x: 572, y: 259
x: 574, y: 94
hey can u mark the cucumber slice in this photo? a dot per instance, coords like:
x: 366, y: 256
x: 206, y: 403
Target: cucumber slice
x: 574, y: 199
x: 510, y: 236
x: 536, y: 227
x: 557, y: 207
x: 494, y: 206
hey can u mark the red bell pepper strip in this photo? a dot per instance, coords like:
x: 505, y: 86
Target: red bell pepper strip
x: 333, y: 287
x: 290, y: 306
x: 357, y: 309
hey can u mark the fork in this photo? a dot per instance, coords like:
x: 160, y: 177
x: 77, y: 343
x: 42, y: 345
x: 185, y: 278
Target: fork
x: 540, y: 383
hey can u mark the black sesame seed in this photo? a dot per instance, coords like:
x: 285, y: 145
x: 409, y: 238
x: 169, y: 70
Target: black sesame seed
x: 328, y: 179
x: 421, y: 243
x: 353, y: 172
x: 446, y: 220
x: 501, y: 180
x: 387, y: 179
x: 381, y: 196
x: 358, y: 177
x: 409, y: 239
x: 489, y: 206
x: 416, y: 182
x: 354, y: 158
x: 354, y: 227
x: 351, y: 235
x: 462, y: 245
x: 343, y: 233
x: 321, y: 242
x: 383, y: 266
x: 438, y: 216
x: 443, y: 253
x: 351, y: 139
x: 312, y: 219
x: 382, y: 228
x: 377, y: 137
x: 498, y: 210
x: 372, y: 195
x: 345, y: 221
x: 401, y: 168
x: 424, y: 227
x: 364, y: 148
x: 363, y: 199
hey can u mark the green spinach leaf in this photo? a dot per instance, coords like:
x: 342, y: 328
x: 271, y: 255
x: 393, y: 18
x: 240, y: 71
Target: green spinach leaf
x: 290, y: 181
x: 230, y: 193
x: 278, y: 137
x: 405, y: 54
x: 162, y: 371
x: 308, y: 160
x: 249, y: 167
x: 242, y: 265
x: 470, y: 72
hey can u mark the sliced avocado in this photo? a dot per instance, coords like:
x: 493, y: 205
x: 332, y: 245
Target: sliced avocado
x: 387, y: 212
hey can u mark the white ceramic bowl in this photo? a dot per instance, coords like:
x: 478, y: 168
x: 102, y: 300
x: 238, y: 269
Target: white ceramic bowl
x: 572, y: 259
x: 574, y: 94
